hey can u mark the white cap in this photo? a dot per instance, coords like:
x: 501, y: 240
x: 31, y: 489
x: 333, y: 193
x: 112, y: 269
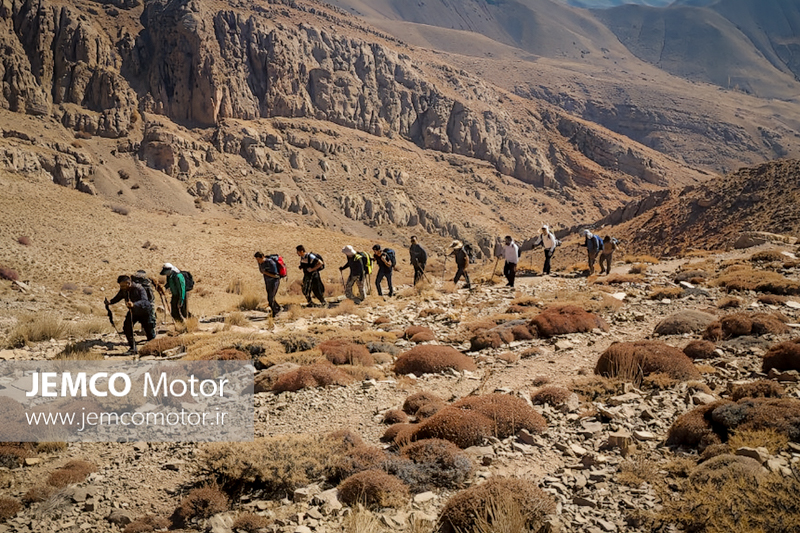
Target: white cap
x: 348, y: 250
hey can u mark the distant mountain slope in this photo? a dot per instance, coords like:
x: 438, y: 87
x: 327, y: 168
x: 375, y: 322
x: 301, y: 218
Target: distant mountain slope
x: 714, y: 214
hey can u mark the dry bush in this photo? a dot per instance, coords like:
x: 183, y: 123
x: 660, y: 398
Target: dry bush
x: 147, y: 524
x: 767, y: 256
x: 554, y: 396
x: 507, y: 413
x: 38, y: 493
x: 432, y: 359
x: 399, y: 433
x: 235, y: 286
x: 735, y: 504
x: 748, y: 279
x: 394, y: 416
x: 414, y: 330
x: 619, y: 279
x: 374, y: 488
x: 202, y: 502
x: 9, y: 507
x: 478, y: 325
x: 666, y: 292
x: 312, y: 376
x: 596, y: 388
x: 632, y: 361
x: 230, y: 354
x: 51, y: 447
x: 345, y: 352
x: 636, y: 471
x: 249, y: 302
x: 362, y: 373
x: 729, y: 302
x: 741, y: 324
x: 431, y: 311
x: 431, y: 463
x: 700, y: 350
x: 697, y: 429
x: 462, y: 427
x: 428, y: 410
x: 772, y: 299
x: 637, y: 268
x: 13, y: 454
x: 688, y: 321
x: 762, y: 388
x: 237, y: 318
x: 417, y: 400
x: 540, y: 381
x: 779, y: 414
x: 362, y: 520
x: 37, y: 328
x: 508, y: 357
x: 74, y: 471
x: 659, y: 381
x: 350, y: 461
x: 250, y: 522
x: 24, y: 240
x: 562, y: 320
x: 159, y: 345
x: 720, y: 468
x: 482, y: 505
x: 628, y: 259
x: 8, y: 273
x: 770, y: 439
x: 423, y: 336
x: 691, y: 273
x: 276, y: 465
x: 782, y: 356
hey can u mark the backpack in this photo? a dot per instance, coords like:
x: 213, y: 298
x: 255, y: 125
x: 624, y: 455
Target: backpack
x: 147, y: 286
x: 321, y: 260
x: 390, y: 256
x: 366, y: 261
x: 280, y: 266
x: 188, y: 280
x: 470, y: 253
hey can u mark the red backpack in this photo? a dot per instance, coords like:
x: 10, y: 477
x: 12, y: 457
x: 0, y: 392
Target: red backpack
x: 280, y: 264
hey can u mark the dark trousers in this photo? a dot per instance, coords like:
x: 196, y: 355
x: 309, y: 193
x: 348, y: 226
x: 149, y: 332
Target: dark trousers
x: 605, y: 259
x: 592, y: 259
x: 548, y: 254
x: 312, y: 285
x: 272, y: 285
x: 510, y: 272
x: 145, y: 319
x: 462, y: 272
x: 379, y: 277
x: 419, y: 272
x: 179, y: 312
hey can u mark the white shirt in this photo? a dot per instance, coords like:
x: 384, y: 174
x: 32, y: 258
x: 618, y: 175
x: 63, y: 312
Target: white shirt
x: 511, y: 252
x: 549, y: 241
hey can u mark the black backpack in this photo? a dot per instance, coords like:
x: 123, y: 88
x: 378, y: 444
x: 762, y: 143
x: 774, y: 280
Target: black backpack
x: 390, y: 255
x: 321, y: 260
x: 470, y: 253
x: 147, y: 286
x: 188, y: 280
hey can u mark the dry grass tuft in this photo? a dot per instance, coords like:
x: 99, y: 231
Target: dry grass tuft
x: 737, y: 278
x: 250, y: 523
x: 619, y: 279
x: 633, y: 472
x: 432, y: 359
x: 146, y: 524
x: 462, y: 427
x: 628, y: 259
x: 8, y: 273
x: 700, y: 350
x: 38, y: 493
x: 632, y: 361
x: 374, y: 489
x: 782, y: 356
x: 417, y: 400
x: 498, y: 505
x: 9, y: 507
x: 237, y: 318
x: 762, y: 388
x: 770, y: 439
x: 37, y: 328
x: 697, y: 429
x: 159, y: 345
x: 729, y: 302
x: 312, y: 376
x: 666, y: 292
x: 203, y: 502
x: 74, y: 471
x: 345, y: 352
x: 563, y: 320
x: 772, y: 299
x: 741, y: 324
x: 507, y: 413
x: 553, y: 396
x: 250, y: 302
x: 12, y: 454
x: 637, y: 268
x: 394, y: 416
x: 767, y: 256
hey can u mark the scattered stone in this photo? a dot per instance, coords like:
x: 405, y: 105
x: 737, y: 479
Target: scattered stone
x: 760, y: 454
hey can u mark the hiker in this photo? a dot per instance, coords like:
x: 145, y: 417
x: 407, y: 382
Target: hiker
x: 549, y: 243
x: 385, y: 260
x: 140, y: 309
x: 311, y: 265
x: 356, y: 276
x: 147, y: 284
x: 418, y: 259
x: 606, y: 254
x: 462, y: 262
x: 269, y: 267
x: 593, y: 245
x: 176, y: 284
x: 511, y: 255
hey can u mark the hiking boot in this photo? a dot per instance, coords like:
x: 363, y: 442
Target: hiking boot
x: 131, y: 351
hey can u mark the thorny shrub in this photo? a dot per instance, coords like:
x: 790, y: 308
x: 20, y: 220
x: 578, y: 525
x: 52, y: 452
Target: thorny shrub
x: 782, y: 356
x: 432, y: 359
x: 462, y: 427
x: 553, y: 396
x: 147, y: 524
x: 394, y: 416
x: 762, y: 388
x: 562, y: 320
x: 74, y: 471
x: 417, y: 400
x: 250, y: 522
x: 741, y: 324
x: 346, y: 352
x: 202, y: 502
x: 312, y: 376
x: 737, y: 278
x: 9, y: 507
x: 374, y: 488
x: 700, y: 350
x: 508, y: 413
x: 632, y: 361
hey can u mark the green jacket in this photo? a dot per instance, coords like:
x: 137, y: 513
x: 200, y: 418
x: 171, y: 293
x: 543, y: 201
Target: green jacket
x: 177, y: 286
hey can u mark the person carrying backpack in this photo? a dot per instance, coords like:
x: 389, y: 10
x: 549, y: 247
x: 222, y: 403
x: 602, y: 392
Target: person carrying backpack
x: 140, y: 309
x: 311, y: 265
x: 511, y: 255
x: 176, y: 283
x: 593, y: 245
x: 385, y: 259
x: 418, y: 257
x: 462, y: 262
x: 606, y: 254
x: 270, y: 268
x: 356, y: 277
x: 141, y: 278
x: 549, y: 243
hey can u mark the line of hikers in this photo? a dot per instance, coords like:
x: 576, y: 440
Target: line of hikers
x: 139, y: 291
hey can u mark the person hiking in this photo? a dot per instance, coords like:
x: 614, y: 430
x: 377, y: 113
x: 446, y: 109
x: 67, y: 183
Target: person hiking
x: 462, y: 262
x: 549, y: 243
x: 511, y: 255
x: 593, y: 244
x: 384, y: 260
x: 270, y: 269
x: 607, y: 253
x: 140, y: 309
x: 419, y: 257
x: 147, y: 284
x: 311, y: 264
x: 176, y: 284
x: 356, y: 277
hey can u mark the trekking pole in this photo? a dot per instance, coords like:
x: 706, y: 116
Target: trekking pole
x: 444, y: 267
x: 343, y: 285
x: 111, y: 318
x: 491, y: 279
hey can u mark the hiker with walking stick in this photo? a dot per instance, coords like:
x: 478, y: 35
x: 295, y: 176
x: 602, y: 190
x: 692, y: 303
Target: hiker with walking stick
x: 419, y: 257
x: 311, y: 265
x: 139, y: 310
x: 357, y: 275
x: 176, y: 283
x: 462, y: 262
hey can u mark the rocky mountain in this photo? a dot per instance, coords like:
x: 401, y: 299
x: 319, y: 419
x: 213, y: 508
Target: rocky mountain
x: 290, y: 111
